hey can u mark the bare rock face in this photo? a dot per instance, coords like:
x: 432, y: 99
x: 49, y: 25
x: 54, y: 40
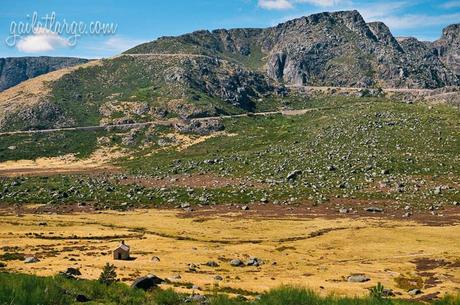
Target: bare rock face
x: 340, y: 49
x: 229, y: 82
x: 448, y: 48
x: 423, y: 63
x: 14, y: 70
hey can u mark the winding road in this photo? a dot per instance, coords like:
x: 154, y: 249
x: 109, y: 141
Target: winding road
x: 171, y: 122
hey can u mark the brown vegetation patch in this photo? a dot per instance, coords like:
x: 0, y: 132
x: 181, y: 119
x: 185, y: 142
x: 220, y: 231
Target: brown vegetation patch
x: 426, y: 264
x: 408, y: 283
x: 329, y: 210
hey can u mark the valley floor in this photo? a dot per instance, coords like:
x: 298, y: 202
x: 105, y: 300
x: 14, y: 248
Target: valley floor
x: 317, y: 253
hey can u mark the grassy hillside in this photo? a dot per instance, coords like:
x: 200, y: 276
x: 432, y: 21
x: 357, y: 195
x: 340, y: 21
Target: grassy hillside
x: 365, y: 149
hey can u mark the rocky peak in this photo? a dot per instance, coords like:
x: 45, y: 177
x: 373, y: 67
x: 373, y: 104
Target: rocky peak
x: 383, y: 34
x: 451, y: 33
x: 448, y: 48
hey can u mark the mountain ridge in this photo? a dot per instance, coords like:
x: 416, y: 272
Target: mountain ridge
x: 234, y: 71
x: 291, y: 47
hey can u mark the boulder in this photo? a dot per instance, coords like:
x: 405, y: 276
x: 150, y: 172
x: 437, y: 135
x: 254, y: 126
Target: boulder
x: 31, y: 260
x: 374, y: 210
x: 147, y: 282
x: 254, y: 261
x: 81, y: 298
x: 236, y: 263
x: 415, y: 292
x: 71, y: 272
x: 358, y: 278
x: 212, y: 264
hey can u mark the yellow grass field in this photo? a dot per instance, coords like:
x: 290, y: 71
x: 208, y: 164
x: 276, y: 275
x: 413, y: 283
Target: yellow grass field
x: 316, y: 253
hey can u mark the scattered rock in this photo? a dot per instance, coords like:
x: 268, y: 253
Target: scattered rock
x: 358, y: 278
x: 387, y: 292
x: 212, y: 264
x: 236, y: 263
x: 293, y: 175
x: 437, y: 190
x: 31, y: 260
x: 192, y: 267
x: 254, y: 261
x: 414, y: 292
x: 374, y: 210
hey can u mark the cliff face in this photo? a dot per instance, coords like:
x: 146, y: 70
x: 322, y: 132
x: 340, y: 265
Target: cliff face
x: 18, y: 69
x: 327, y: 49
x: 448, y: 48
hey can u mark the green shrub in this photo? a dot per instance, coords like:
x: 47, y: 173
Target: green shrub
x: 26, y: 290
x: 377, y: 291
x: 12, y: 256
x: 20, y: 289
x: 167, y: 297
x: 108, y: 275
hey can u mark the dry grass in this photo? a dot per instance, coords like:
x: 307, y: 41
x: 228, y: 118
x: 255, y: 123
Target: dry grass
x: 30, y: 92
x: 383, y: 250
x: 99, y: 160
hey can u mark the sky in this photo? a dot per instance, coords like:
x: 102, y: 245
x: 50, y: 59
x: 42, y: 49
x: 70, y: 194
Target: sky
x: 103, y: 28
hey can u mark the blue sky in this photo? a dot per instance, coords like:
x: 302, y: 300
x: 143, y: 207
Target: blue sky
x: 137, y: 21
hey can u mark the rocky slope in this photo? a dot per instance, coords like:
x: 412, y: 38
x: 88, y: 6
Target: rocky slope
x: 14, y: 70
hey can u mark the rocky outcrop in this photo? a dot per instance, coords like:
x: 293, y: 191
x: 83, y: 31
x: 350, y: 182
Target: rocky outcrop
x: 448, y: 48
x: 423, y: 62
x: 224, y: 80
x: 14, y: 70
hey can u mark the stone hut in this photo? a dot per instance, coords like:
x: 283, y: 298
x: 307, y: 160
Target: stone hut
x: 121, y: 252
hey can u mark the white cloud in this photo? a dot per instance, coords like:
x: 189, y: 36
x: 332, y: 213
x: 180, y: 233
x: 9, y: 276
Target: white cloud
x: 287, y: 4
x: 321, y: 3
x: 42, y: 40
x: 119, y: 43
x: 275, y: 4
x: 375, y: 11
x: 450, y: 4
x: 419, y: 21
